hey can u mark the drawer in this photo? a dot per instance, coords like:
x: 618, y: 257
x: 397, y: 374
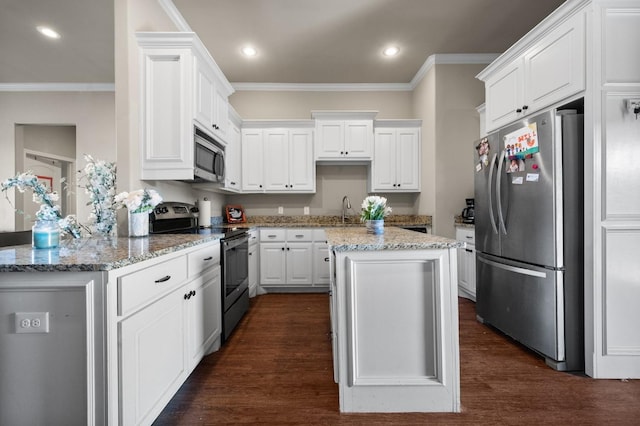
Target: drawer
x: 319, y: 235
x: 468, y: 235
x: 299, y: 235
x: 269, y: 235
x: 147, y: 284
x: 203, y: 258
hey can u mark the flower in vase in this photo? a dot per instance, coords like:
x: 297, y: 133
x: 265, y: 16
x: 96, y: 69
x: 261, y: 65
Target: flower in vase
x: 49, y: 211
x: 100, y: 184
x: 374, y: 208
x: 139, y: 201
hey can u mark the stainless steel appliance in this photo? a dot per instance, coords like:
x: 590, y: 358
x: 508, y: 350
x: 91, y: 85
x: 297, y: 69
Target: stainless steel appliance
x: 529, y: 235
x: 209, y: 164
x: 180, y: 218
x: 468, y: 213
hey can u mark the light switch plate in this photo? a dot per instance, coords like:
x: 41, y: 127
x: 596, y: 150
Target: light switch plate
x: 280, y: 210
x: 306, y: 209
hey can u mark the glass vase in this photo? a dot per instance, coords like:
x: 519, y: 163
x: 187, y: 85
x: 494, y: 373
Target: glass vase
x: 45, y: 234
x: 375, y: 227
x: 139, y: 224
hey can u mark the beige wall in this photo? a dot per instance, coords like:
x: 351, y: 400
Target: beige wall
x: 132, y: 16
x: 298, y: 105
x: 458, y: 93
x: 92, y: 114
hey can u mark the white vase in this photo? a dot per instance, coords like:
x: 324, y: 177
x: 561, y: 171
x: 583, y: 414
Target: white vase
x: 139, y: 224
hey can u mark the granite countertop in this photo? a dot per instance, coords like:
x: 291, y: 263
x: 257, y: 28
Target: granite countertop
x: 96, y: 254
x: 394, y: 238
x: 309, y: 221
x: 459, y: 223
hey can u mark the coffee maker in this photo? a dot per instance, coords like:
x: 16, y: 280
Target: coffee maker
x: 467, y: 212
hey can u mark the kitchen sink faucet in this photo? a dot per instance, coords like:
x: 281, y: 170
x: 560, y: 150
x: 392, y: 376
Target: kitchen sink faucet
x: 348, y: 206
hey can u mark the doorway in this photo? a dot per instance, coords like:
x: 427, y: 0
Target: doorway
x: 49, y: 151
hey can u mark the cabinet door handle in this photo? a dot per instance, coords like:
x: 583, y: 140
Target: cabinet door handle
x: 525, y: 107
x: 288, y: 249
x: 163, y: 279
x: 208, y: 258
x: 519, y: 110
x: 346, y: 153
x: 326, y: 259
x: 282, y: 248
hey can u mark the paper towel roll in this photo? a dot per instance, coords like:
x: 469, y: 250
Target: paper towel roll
x: 204, y: 217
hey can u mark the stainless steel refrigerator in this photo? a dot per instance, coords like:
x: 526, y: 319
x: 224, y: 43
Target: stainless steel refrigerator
x: 529, y: 235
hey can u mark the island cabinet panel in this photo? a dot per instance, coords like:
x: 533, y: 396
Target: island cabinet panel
x: 52, y: 371
x: 394, y: 324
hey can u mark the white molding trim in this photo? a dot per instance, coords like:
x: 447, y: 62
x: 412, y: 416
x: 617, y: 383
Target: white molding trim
x: 57, y: 87
x: 451, y: 59
x: 176, y: 17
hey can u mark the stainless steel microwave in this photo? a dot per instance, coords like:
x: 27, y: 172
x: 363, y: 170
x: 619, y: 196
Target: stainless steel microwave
x: 208, y: 158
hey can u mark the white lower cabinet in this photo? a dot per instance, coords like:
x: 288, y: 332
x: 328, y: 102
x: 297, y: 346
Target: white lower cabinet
x: 162, y: 338
x: 153, y: 364
x: 467, y: 263
x: 254, y: 262
x: 290, y: 259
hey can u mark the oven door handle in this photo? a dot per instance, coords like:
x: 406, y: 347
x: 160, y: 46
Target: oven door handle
x: 229, y: 244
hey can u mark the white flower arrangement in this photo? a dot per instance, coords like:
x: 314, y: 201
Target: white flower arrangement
x: 139, y: 201
x: 100, y: 184
x: 374, y: 208
x: 49, y: 211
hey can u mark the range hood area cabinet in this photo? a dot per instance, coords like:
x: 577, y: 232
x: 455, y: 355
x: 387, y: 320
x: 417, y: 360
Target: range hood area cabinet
x: 181, y: 86
x: 277, y: 156
x: 344, y: 135
x: 396, y: 156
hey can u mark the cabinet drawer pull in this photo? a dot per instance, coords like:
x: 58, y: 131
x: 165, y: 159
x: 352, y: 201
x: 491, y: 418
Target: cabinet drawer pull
x: 299, y: 236
x: 163, y: 279
x: 469, y: 238
x: 208, y: 258
x: 468, y: 251
x: 271, y: 236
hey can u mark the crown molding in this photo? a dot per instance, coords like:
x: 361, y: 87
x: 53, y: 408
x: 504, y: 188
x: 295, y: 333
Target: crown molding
x: 57, y: 87
x: 451, y: 59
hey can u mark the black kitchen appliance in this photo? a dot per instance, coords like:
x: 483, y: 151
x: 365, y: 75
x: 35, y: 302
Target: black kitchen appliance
x: 181, y: 218
x: 468, y: 215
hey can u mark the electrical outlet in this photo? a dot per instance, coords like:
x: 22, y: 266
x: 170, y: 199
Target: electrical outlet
x: 280, y: 210
x: 306, y: 210
x: 32, y: 322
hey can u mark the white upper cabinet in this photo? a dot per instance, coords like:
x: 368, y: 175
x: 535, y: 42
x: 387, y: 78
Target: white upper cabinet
x: 233, y: 161
x: 286, y: 153
x: 181, y: 86
x: 252, y: 162
x: 552, y: 69
x: 396, y: 156
x: 344, y: 135
x: 211, y: 101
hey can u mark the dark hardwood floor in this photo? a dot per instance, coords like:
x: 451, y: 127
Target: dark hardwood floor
x: 276, y: 369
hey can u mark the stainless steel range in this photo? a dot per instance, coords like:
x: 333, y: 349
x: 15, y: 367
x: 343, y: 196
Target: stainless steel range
x: 181, y: 218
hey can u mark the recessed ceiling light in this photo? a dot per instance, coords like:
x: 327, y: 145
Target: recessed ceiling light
x: 391, y: 51
x: 249, y: 51
x: 48, y: 32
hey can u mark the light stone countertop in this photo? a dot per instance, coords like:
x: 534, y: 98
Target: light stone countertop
x: 394, y: 238
x: 96, y: 253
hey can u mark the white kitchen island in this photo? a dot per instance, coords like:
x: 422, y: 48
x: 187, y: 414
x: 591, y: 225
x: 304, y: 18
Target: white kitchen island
x: 394, y: 319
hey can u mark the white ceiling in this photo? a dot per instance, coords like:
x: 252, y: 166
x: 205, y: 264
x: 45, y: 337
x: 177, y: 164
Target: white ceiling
x: 298, y: 41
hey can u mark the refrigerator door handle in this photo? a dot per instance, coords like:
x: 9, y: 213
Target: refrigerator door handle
x: 491, y: 169
x: 514, y: 269
x: 503, y: 228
